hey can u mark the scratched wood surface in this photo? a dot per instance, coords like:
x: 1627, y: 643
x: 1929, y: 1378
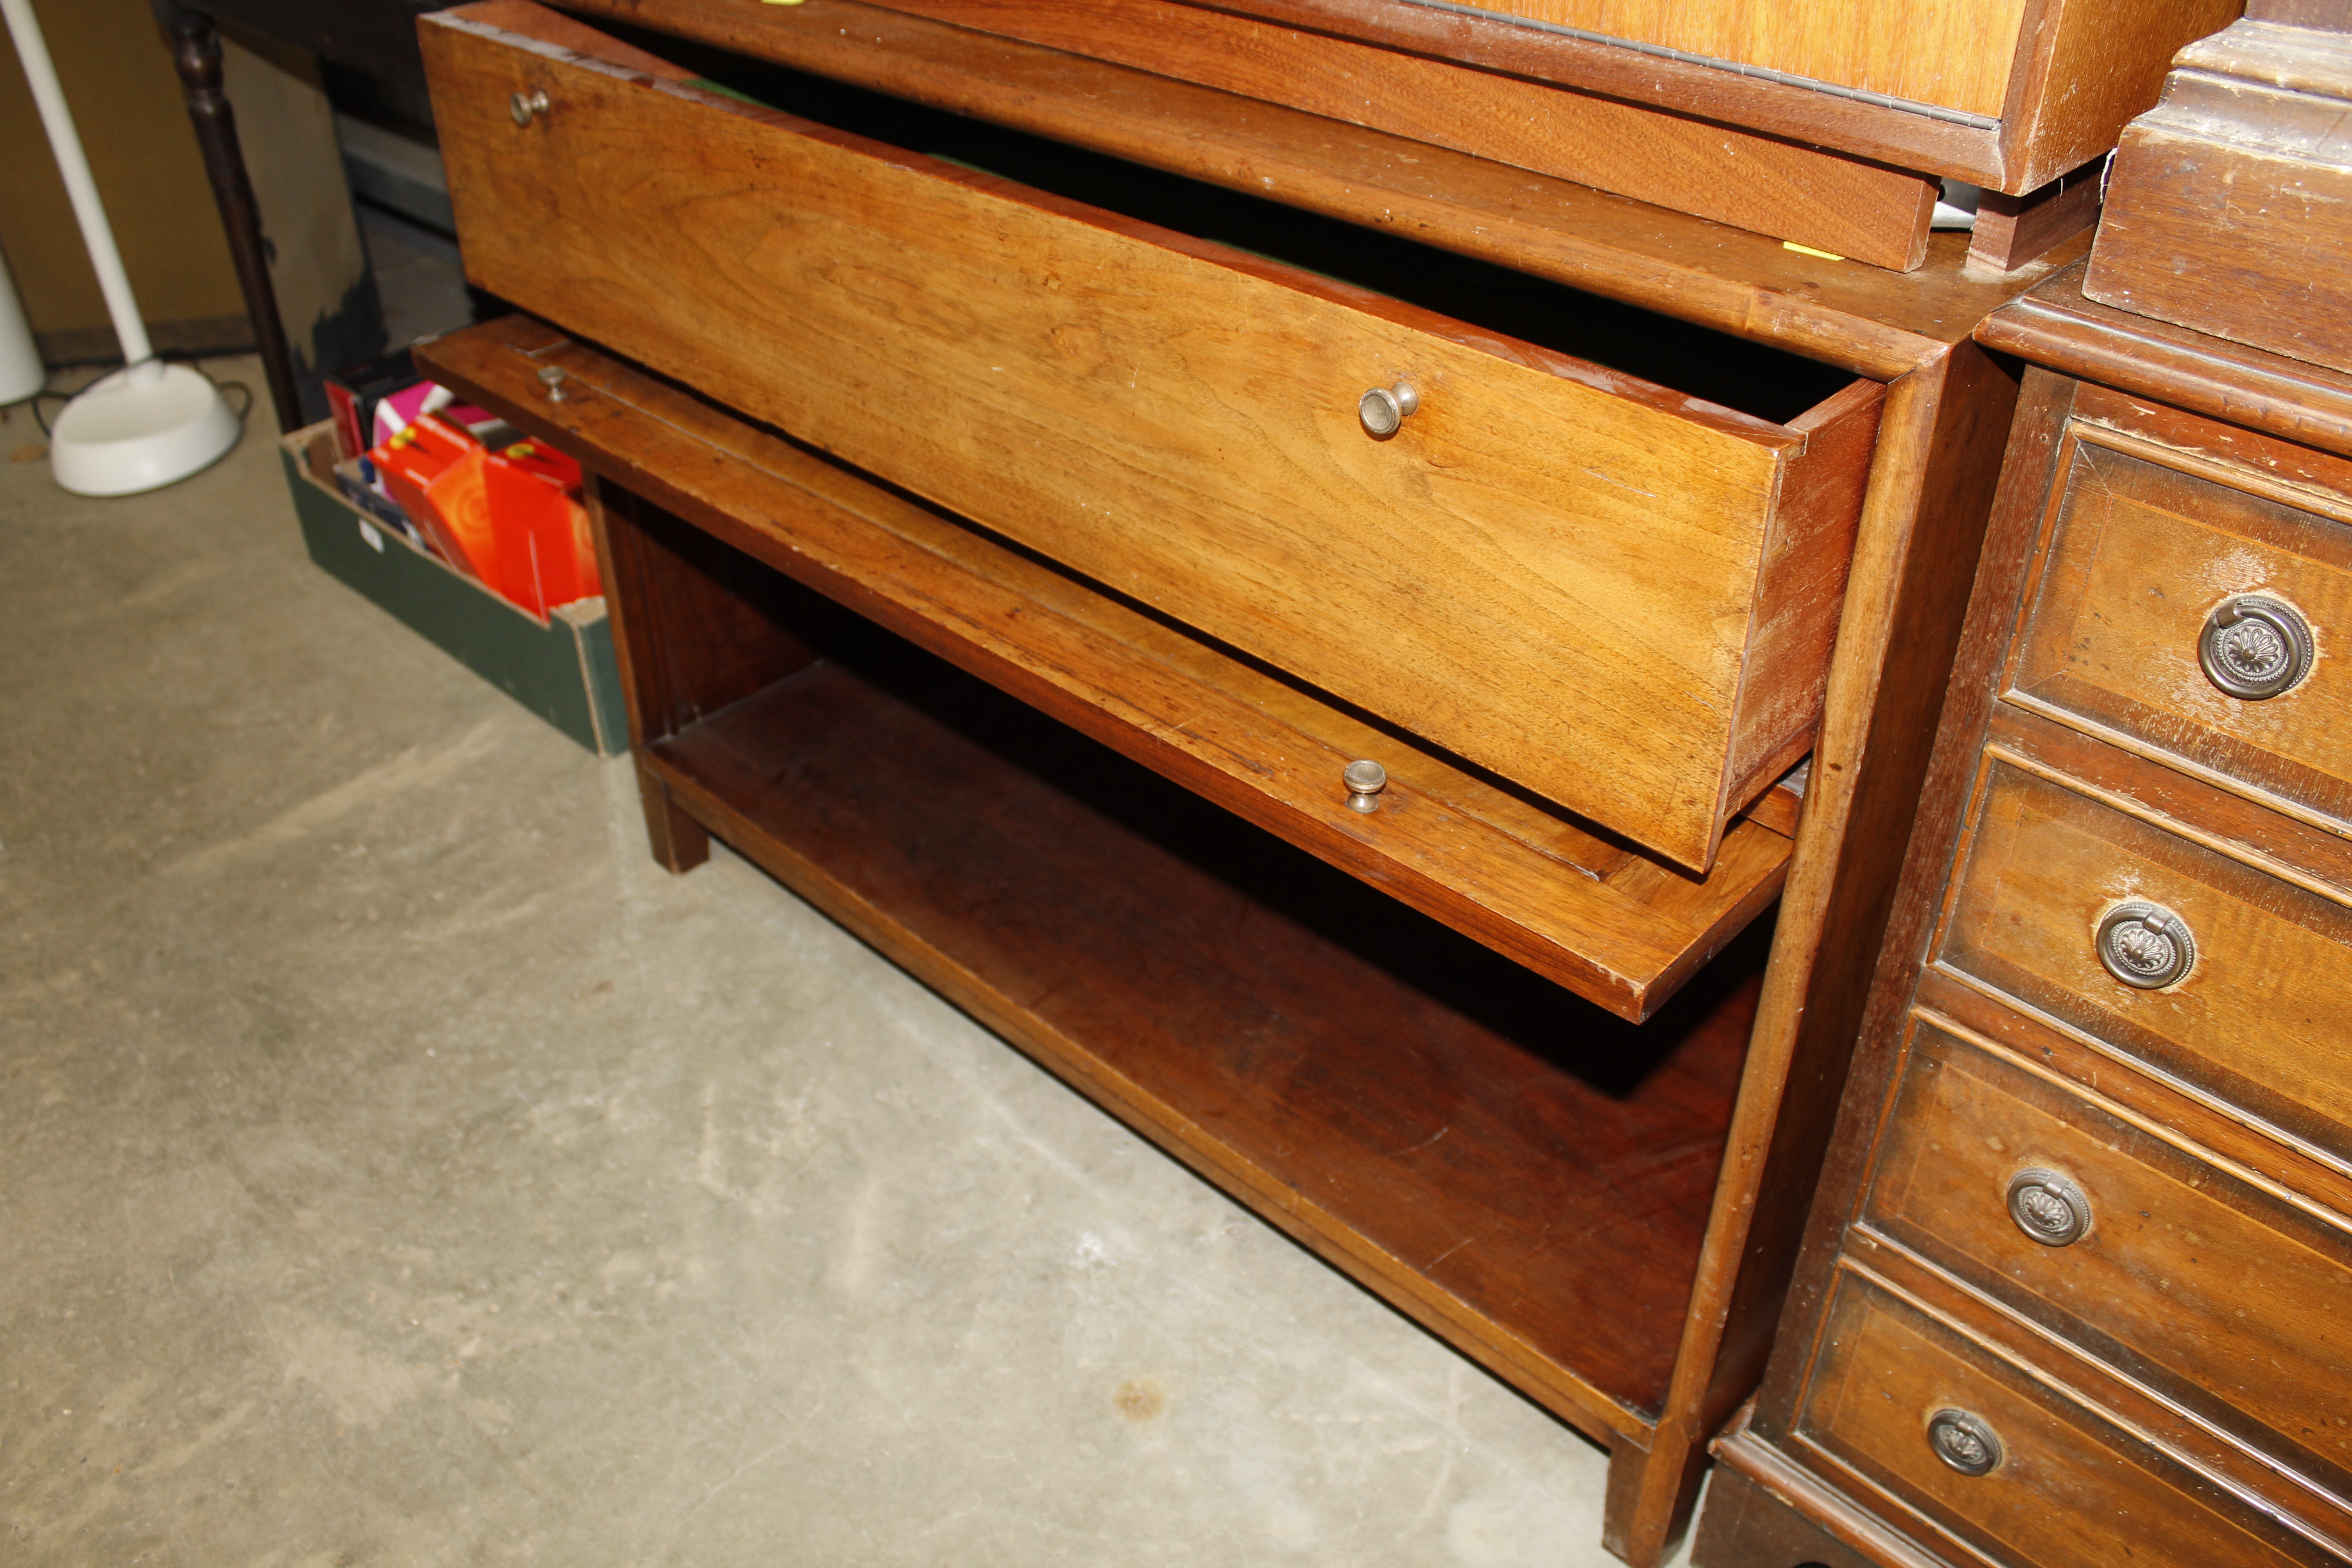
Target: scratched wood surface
x: 1554, y: 569
x: 2224, y: 1295
x: 2256, y: 113
x: 2070, y: 1487
x: 2260, y: 1020
x: 2139, y: 551
x: 1588, y: 912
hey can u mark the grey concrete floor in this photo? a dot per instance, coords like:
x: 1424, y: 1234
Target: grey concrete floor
x: 398, y: 1167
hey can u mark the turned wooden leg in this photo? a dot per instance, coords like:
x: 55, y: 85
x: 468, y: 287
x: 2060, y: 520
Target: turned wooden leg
x: 197, y: 52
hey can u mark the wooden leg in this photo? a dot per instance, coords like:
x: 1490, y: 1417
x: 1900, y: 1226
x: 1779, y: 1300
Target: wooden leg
x: 2013, y: 230
x: 679, y: 842
x: 196, y: 51
x: 1633, y: 1523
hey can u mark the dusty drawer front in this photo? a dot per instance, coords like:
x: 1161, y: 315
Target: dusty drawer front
x: 2230, y: 1300
x: 1616, y: 595
x: 2197, y: 623
x: 2000, y: 1457
x: 2210, y: 970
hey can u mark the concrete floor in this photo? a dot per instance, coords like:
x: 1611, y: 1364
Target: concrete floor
x: 396, y: 1167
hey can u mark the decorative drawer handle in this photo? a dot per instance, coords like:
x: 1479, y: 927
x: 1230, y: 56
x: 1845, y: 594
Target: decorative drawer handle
x: 1963, y: 1440
x: 2255, y: 647
x: 552, y: 377
x: 523, y: 105
x: 2146, y: 945
x: 1383, y: 408
x: 2048, y: 1207
x: 1365, y: 780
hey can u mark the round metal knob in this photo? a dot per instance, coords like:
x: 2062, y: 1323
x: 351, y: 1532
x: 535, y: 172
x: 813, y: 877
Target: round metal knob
x: 2146, y: 945
x: 2048, y: 1207
x: 1383, y: 408
x: 550, y: 376
x: 523, y: 105
x: 1364, y: 781
x: 1962, y: 1440
x: 2255, y: 647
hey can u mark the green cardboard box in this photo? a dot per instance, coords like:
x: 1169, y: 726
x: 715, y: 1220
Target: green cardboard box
x: 563, y: 672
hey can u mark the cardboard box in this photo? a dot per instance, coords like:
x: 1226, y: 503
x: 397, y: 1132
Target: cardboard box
x: 563, y: 672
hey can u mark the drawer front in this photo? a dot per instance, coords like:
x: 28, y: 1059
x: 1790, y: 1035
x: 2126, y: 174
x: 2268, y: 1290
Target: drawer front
x: 2264, y: 1018
x: 2143, y: 565
x: 2066, y: 1488
x: 2222, y: 1295
x: 1618, y: 597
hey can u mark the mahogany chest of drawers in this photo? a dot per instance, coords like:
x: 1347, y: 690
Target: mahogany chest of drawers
x: 2079, y: 1285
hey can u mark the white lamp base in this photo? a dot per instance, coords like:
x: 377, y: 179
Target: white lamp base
x: 143, y: 426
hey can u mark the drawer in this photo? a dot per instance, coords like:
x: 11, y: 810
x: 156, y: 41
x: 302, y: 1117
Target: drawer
x: 2262, y: 1021
x: 2224, y: 1297
x: 2064, y: 1487
x: 1617, y: 595
x: 2143, y: 565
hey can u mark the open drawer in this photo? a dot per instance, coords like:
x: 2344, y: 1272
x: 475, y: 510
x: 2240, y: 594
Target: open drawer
x: 1617, y: 595
x: 1610, y: 923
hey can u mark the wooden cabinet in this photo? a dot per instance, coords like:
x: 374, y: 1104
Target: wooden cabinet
x: 1008, y: 550
x: 2092, y: 1194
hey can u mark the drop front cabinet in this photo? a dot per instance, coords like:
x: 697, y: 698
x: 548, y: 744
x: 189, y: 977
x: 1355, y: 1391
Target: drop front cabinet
x: 1009, y: 548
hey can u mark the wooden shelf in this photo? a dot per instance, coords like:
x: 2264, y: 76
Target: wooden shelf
x: 1581, y: 909
x: 1524, y: 1174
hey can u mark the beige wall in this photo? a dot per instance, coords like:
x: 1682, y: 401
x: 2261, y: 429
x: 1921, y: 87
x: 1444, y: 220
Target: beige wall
x: 116, y: 68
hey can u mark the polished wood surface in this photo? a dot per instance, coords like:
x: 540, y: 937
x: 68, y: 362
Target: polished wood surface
x: 2260, y: 1018
x: 1866, y: 211
x: 2111, y: 640
x: 2070, y: 1488
x: 1611, y: 924
x: 1864, y: 319
x: 1614, y: 594
x: 1501, y: 1160
x: 2229, y: 1296
x: 2257, y: 111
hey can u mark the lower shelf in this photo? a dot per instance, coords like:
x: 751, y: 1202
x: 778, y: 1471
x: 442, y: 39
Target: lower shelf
x: 1523, y: 1172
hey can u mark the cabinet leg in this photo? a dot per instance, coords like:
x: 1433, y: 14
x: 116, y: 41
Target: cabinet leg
x: 679, y: 842
x: 1644, y: 1516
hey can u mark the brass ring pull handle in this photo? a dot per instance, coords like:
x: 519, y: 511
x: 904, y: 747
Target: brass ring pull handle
x: 523, y: 105
x: 2146, y: 945
x: 2255, y: 647
x: 1963, y: 1440
x: 2048, y: 1207
x: 1383, y: 408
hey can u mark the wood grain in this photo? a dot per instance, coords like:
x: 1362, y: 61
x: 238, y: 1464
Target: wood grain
x: 1044, y: 369
x: 1955, y: 54
x: 1519, y: 1171
x: 2228, y: 201
x: 1864, y: 318
x: 2138, y: 553
x: 1869, y: 211
x: 2070, y: 1489
x: 2013, y: 230
x: 2260, y: 392
x: 2259, y: 1020
x: 2211, y: 1290
x: 1585, y: 911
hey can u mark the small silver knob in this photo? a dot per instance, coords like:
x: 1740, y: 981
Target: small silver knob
x: 2048, y: 1207
x: 1383, y: 408
x: 2146, y: 945
x: 523, y: 105
x: 2254, y: 646
x: 1963, y: 1440
x: 550, y: 376
x: 1364, y: 781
